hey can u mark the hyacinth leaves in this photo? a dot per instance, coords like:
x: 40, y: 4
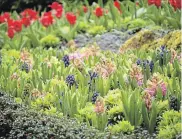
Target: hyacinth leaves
x: 149, y: 118
x: 132, y: 106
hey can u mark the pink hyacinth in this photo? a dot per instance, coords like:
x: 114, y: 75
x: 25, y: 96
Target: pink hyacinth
x: 164, y: 88
x: 77, y: 55
x: 151, y: 91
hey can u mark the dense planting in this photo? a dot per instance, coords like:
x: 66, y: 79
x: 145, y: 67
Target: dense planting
x: 54, y: 68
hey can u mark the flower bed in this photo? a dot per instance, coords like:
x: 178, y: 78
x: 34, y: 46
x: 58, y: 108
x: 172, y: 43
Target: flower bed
x: 130, y: 92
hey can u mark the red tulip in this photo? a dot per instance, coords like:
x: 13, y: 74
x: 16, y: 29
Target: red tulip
x: 47, y: 19
x: 2, y: 20
x: 178, y: 4
x: 57, y: 9
x: 4, y: 17
x: 15, y: 25
x: 158, y: 3
x: 55, y: 6
x: 29, y: 13
x: 175, y: 3
x: 71, y: 18
x: 155, y: 2
x: 59, y: 13
x: 117, y: 5
x: 150, y: 2
x: 85, y: 9
x: 99, y: 12
x: 11, y: 33
x: 25, y: 21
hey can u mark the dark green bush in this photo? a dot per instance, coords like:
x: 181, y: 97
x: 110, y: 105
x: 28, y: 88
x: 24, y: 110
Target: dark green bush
x: 18, y: 122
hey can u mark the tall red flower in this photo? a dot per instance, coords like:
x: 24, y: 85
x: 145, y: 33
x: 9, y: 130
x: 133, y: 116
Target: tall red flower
x: 85, y: 9
x: 155, y: 2
x: 31, y: 14
x: 4, y: 17
x: 71, y: 18
x: 47, y: 19
x: 59, y: 13
x: 25, y: 21
x: 55, y: 6
x: 158, y: 3
x: 175, y: 3
x: 13, y: 27
x: 99, y: 12
x: 57, y: 9
x: 16, y: 25
x: 117, y: 5
x: 11, y: 33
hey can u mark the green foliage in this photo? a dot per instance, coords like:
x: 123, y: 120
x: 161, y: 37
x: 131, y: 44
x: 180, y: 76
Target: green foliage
x: 122, y: 126
x: 96, y: 30
x: 170, y: 126
x: 132, y: 105
x: 150, y: 117
x: 49, y: 41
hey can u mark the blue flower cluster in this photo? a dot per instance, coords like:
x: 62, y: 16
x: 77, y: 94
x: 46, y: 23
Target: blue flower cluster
x: 66, y: 60
x: 144, y: 63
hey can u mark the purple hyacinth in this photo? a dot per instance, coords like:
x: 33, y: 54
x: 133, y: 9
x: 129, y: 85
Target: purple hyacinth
x: 93, y: 75
x: 70, y: 80
x: 94, y: 97
x: 66, y: 60
x: 138, y: 62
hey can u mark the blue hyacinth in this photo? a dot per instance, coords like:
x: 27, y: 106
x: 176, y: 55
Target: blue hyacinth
x: 144, y: 63
x: 93, y: 75
x: 66, y: 60
x: 94, y: 97
x: 70, y: 80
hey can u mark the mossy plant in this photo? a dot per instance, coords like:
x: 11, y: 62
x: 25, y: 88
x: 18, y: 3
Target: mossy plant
x: 96, y: 30
x: 170, y: 125
x: 123, y: 126
x: 49, y: 41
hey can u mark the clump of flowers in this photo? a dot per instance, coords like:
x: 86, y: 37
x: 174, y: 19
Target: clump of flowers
x: 117, y: 5
x: 148, y: 101
x: 30, y: 14
x: 25, y: 58
x: 70, y: 80
x: 36, y: 93
x: 144, y: 63
x: 136, y: 73
x: 71, y: 18
x: 157, y: 3
x: 99, y: 106
x: 174, y: 55
x: 175, y: 3
x: 14, y: 76
x: 99, y: 12
x: 4, y: 17
x: 47, y: 19
x: 154, y: 84
x: 57, y: 9
x: 85, y: 9
x: 91, y: 51
x: 66, y: 60
x: 105, y: 68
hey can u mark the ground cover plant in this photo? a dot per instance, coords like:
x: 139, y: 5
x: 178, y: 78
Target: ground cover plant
x: 47, y: 71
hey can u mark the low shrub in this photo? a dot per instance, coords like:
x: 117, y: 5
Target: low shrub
x: 17, y: 121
